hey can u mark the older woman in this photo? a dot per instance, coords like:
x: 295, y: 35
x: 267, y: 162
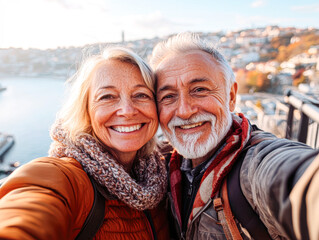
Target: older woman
x: 105, y: 132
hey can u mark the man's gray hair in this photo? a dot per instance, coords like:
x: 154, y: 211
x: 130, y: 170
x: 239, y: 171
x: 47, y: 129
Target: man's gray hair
x: 186, y: 42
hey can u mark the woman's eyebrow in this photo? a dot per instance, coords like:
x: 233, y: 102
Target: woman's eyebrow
x: 106, y: 87
x: 140, y: 86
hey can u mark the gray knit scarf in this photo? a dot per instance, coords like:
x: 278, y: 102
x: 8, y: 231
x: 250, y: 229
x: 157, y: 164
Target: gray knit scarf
x: 144, y: 192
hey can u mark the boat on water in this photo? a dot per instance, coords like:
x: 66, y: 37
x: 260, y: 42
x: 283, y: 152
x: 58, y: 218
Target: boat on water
x: 2, y: 88
x: 6, y: 142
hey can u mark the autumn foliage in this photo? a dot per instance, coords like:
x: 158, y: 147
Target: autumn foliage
x: 286, y: 51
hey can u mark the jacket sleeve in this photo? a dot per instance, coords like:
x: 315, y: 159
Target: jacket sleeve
x: 279, y: 178
x: 48, y: 198
x: 304, y: 200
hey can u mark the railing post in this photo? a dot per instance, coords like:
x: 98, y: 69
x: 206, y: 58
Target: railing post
x: 290, y: 122
x: 308, y: 109
x: 303, y: 128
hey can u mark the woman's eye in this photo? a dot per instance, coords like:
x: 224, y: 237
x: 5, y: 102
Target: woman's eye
x: 142, y: 96
x: 107, y: 97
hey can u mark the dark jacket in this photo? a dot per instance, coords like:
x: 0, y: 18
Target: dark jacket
x: 279, y: 178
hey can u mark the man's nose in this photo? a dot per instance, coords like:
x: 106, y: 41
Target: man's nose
x: 126, y: 108
x: 186, y: 107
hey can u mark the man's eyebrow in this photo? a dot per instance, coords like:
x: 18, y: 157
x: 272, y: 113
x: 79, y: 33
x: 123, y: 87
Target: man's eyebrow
x: 165, y: 87
x: 198, y: 80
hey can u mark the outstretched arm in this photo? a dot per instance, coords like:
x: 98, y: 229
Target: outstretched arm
x: 44, y: 200
x: 304, y: 199
x: 272, y: 179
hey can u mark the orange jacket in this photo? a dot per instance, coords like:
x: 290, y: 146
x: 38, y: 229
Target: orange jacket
x: 50, y: 198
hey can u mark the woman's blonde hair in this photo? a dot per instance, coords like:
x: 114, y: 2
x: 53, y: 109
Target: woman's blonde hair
x: 74, y: 116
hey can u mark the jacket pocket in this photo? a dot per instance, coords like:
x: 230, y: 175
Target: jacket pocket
x: 209, y: 227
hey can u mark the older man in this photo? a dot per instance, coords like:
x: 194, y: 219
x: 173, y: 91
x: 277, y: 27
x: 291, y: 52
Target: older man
x: 196, y: 94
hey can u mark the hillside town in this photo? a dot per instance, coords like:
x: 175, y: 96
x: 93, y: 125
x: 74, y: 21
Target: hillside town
x: 281, y: 52
x: 267, y: 61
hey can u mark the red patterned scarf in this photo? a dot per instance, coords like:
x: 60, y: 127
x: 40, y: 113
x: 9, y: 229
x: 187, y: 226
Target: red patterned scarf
x: 236, y: 139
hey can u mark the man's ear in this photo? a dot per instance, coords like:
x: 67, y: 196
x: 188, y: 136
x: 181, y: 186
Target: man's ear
x: 232, y: 95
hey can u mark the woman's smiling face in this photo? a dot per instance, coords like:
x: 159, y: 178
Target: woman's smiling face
x: 122, y: 108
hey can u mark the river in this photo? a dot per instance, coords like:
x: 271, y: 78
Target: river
x: 27, y: 110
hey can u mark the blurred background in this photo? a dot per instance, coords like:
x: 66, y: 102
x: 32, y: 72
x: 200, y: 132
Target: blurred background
x: 272, y: 46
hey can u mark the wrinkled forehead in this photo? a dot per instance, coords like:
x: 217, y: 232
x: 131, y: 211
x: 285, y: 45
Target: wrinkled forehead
x: 188, y: 66
x: 112, y: 66
x: 111, y: 69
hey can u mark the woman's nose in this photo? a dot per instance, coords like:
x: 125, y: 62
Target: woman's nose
x: 127, y: 108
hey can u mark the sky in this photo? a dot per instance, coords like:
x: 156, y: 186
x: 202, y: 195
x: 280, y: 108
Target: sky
x: 47, y: 24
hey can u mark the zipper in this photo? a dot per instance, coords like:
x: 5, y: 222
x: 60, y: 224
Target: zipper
x: 189, y: 195
x: 190, y: 190
x: 150, y: 224
x: 179, y: 224
x: 171, y: 204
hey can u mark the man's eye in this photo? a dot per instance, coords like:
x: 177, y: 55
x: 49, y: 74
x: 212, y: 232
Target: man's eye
x: 200, y: 89
x: 167, y: 98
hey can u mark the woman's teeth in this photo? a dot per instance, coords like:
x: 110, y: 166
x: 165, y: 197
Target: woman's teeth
x: 127, y: 129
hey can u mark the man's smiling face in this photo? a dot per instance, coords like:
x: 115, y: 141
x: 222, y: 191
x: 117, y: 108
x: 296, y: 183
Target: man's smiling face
x: 194, y: 103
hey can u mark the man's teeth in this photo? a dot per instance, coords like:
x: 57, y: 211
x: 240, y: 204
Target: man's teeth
x: 127, y: 129
x: 191, y: 125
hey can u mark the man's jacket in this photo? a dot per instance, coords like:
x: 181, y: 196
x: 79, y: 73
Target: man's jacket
x: 280, y: 180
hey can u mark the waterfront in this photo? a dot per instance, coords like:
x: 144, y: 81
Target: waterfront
x: 27, y: 109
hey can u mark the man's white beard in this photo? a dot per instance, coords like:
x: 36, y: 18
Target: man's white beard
x: 189, y: 147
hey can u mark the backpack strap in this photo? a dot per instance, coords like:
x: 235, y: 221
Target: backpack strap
x: 240, y: 207
x: 234, y: 203
x: 225, y: 215
x: 96, y: 216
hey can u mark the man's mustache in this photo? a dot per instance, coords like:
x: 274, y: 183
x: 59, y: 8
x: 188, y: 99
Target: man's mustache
x: 199, y: 117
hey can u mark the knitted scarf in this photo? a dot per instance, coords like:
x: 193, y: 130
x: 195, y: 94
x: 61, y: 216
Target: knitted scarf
x: 144, y: 192
x: 236, y: 139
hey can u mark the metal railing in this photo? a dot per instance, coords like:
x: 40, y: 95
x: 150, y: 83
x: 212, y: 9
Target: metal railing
x: 308, y: 110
